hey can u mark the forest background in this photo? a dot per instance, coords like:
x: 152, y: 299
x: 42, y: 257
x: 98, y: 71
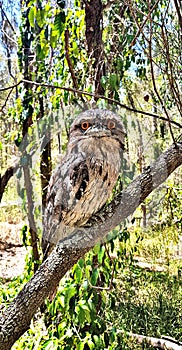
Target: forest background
x: 57, y: 59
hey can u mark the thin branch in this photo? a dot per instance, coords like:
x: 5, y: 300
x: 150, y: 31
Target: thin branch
x: 11, y: 87
x: 6, y: 100
x: 179, y: 14
x: 4, y: 14
x: 104, y: 98
x: 70, y: 65
x: 170, y: 74
x: 111, y: 100
x: 3, y: 31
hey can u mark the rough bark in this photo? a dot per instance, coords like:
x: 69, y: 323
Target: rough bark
x: 94, y: 28
x: 16, y: 319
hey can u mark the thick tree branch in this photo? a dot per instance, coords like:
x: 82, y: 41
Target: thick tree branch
x: 16, y: 319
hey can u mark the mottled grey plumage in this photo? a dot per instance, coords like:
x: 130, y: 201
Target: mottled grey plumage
x: 84, y: 180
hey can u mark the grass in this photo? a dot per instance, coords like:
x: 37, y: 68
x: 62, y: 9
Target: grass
x: 150, y: 303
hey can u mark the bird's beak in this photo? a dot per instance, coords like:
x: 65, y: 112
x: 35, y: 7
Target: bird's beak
x: 97, y: 131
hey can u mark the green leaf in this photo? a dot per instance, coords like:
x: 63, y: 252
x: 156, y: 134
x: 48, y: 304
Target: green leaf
x: 80, y: 345
x: 40, y: 18
x: 62, y: 327
x: 54, y: 34
x: 78, y: 274
x: 101, y: 254
x: 50, y: 344
x: 81, y: 263
x: 81, y: 314
x: 59, y: 22
x: 90, y: 344
x: 96, y: 249
x: 19, y: 174
x: 31, y: 16
x: 94, y: 276
x: 24, y: 232
x: 113, y: 81
x: 96, y: 340
x: 104, y: 81
x: 61, y: 3
x: 70, y: 292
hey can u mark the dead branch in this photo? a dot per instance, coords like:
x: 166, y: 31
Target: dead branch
x: 166, y: 343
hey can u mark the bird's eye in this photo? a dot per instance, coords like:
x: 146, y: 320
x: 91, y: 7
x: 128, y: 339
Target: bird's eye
x: 111, y: 124
x: 85, y: 125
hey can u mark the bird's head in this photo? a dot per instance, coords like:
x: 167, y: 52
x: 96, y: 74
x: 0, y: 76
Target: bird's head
x: 96, y: 123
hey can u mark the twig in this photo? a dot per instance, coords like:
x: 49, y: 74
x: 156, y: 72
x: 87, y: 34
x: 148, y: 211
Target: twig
x: 3, y: 31
x: 4, y: 14
x: 70, y: 65
x: 11, y: 87
x: 6, y: 100
x: 165, y: 342
x: 110, y: 282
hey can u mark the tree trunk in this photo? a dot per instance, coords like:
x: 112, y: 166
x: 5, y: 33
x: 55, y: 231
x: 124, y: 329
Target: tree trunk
x: 94, y: 28
x: 16, y: 319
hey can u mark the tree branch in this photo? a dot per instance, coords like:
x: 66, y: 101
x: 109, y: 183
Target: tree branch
x: 6, y: 100
x: 4, y: 14
x: 80, y: 92
x: 11, y: 86
x: 6, y: 177
x: 16, y: 319
x: 166, y: 343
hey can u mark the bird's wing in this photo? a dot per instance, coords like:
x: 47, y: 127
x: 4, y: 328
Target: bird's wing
x: 66, y: 187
